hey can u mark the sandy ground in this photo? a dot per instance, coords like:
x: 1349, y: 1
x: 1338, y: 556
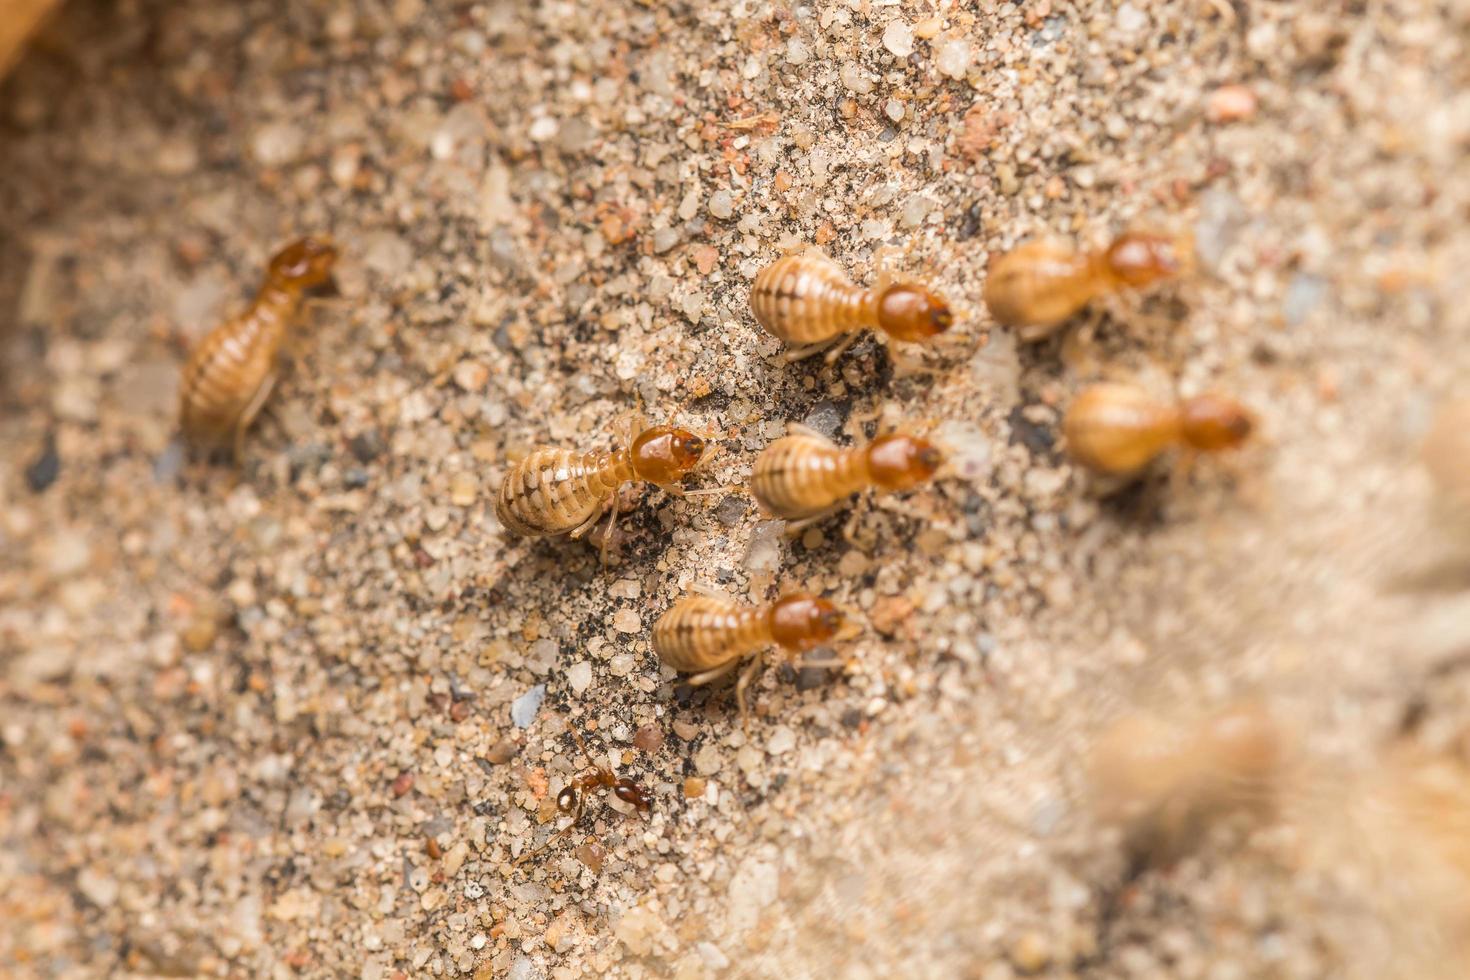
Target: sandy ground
x: 299, y: 718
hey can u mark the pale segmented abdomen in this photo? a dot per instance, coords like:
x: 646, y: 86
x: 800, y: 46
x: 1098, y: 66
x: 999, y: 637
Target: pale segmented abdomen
x: 701, y: 632
x: 800, y: 475
x: 1039, y: 285
x: 1118, y: 428
x: 227, y: 368
x: 806, y: 298
x: 555, y: 491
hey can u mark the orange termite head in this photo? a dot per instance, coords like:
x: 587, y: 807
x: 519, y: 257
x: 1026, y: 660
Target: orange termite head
x: 911, y: 312
x: 899, y: 462
x: 665, y: 454
x: 1140, y: 259
x: 305, y: 262
x: 800, y: 621
x: 1214, y: 422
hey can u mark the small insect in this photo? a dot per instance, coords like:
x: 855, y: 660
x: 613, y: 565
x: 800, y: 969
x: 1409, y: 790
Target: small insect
x: 804, y: 476
x: 1043, y: 283
x: 572, y: 800
x: 807, y: 301
x: 562, y: 491
x: 707, y: 636
x: 1118, y: 429
x: 231, y: 372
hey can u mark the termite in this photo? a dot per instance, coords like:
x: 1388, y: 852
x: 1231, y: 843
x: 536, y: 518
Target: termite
x: 1165, y: 782
x: 708, y: 636
x: 804, y: 476
x: 1043, y: 283
x: 1118, y: 429
x: 563, y: 491
x: 572, y: 800
x: 231, y: 372
x: 806, y: 300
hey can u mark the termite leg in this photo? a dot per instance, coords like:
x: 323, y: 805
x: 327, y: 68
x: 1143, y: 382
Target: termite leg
x: 887, y: 260
x: 746, y: 676
x: 706, y: 491
x: 612, y: 524
x: 802, y: 353
x: 1183, y: 469
x: 794, y: 528
x: 257, y: 400
x: 581, y: 529
x: 836, y: 352
x: 713, y: 674
x: 906, y: 366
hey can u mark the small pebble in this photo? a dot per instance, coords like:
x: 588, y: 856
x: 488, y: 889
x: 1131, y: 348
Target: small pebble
x: 366, y: 446
x: 591, y: 854
x: 649, y: 738
x: 44, y: 469
x: 708, y: 760
x: 1030, y: 953
x: 764, y: 551
x: 1230, y: 103
x: 502, y: 752
x: 721, y: 205
x: 454, y: 858
x: 898, y: 38
x: 463, y: 489
x: 471, y: 375
x: 825, y: 417
x: 1129, y: 19
x: 579, y: 676
x: 954, y: 58
x: 523, y: 709
x: 854, y: 79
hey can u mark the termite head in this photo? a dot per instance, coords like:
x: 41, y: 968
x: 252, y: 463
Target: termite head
x: 899, y: 462
x: 664, y: 455
x: 801, y: 622
x: 907, y: 311
x: 633, y: 794
x: 1214, y: 422
x: 1140, y: 259
x: 304, y: 263
x: 566, y: 800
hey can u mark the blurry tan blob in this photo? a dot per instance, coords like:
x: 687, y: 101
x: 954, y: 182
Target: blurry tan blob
x: 1446, y: 454
x: 1434, y: 551
x: 1397, y: 844
x: 1166, y: 782
x: 1385, y: 852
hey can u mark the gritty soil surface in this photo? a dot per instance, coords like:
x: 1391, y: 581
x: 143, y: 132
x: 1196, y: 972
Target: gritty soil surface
x: 301, y: 717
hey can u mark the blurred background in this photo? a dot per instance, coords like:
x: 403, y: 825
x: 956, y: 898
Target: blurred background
x: 299, y: 716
